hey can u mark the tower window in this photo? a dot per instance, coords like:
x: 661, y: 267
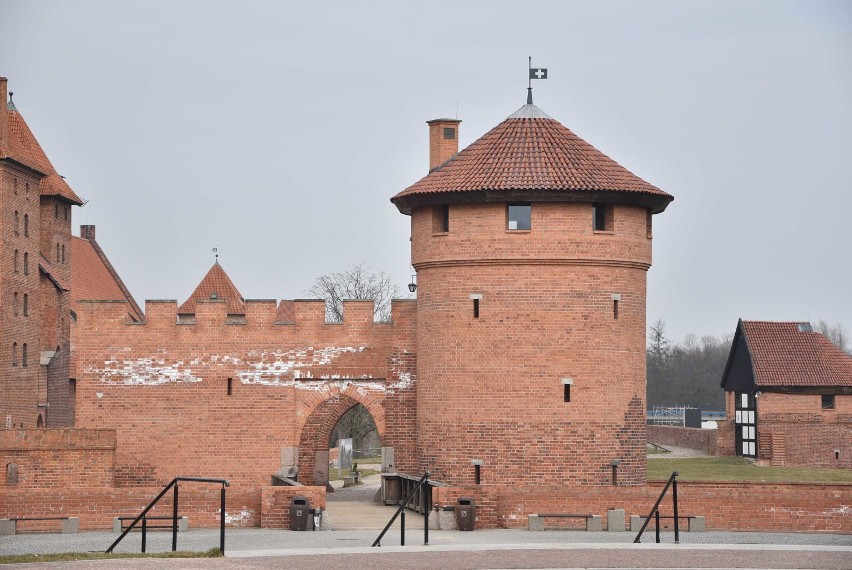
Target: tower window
x: 449, y: 133
x: 56, y: 211
x: 26, y: 225
x: 476, y: 297
x: 602, y: 217
x: 828, y: 401
x: 519, y: 216
x: 15, y: 261
x: 26, y: 304
x: 566, y: 389
x: 17, y: 223
x: 63, y: 253
x: 26, y: 263
x: 230, y: 386
x: 615, y: 309
x: 15, y: 303
x: 57, y: 253
x: 14, y: 354
x: 441, y: 219
x: 24, y: 355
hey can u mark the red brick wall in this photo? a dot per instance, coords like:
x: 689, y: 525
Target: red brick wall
x: 692, y: 438
x: 490, y: 388
x: 730, y: 506
x: 163, y: 386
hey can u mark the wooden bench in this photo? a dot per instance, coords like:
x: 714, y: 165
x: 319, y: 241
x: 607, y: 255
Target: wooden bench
x: 118, y: 523
x: 594, y: 523
x: 694, y: 523
x: 70, y: 525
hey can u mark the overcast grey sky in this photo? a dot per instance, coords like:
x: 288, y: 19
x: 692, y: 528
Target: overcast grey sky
x: 278, y: 131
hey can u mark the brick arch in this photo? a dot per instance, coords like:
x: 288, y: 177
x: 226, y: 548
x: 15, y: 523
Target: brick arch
x: 319, y: 424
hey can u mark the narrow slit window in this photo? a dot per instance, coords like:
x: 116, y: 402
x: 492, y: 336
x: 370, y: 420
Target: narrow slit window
x: 519, y: 216
x: 566, y: 392
x: 17, y: 223
x: 24, y: 355
x: 615, y: 309
x: 476, y: 308
x: 15, y: 304
x: 26, y: 304
x: 14, y: 354
x: 15, y: 261
x: 230, y: 386
x: 478, y: 473
x: 63, y: 253
x: 57, y: 253
x: 56, y: 211
x: 26, y: 225
x: 26, y: 263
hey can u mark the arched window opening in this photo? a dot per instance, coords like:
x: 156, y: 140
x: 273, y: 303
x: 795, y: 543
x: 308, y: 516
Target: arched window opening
x: 24, y: 355
x: 14, y: 354
x: 40, y: 422
x: 26, y: 263
x: 26, y: 225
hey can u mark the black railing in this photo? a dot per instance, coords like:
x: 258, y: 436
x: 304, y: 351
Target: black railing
x: 655, y: 511
x: 174, y: 527
x: 400, y: 512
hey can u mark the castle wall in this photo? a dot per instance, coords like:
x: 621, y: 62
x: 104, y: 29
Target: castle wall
x: 164, y: 387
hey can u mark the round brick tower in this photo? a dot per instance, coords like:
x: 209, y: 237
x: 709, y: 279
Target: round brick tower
x: 531, y: 249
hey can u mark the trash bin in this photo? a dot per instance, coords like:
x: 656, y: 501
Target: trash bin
x: 466, y: 514
x: 299, y: 513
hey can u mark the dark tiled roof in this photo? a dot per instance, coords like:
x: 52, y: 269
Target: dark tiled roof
x: 216, y: 285
x: 92, y: 278
x: 530, y: 151
x: 785, y: 355
x: 23, y: 147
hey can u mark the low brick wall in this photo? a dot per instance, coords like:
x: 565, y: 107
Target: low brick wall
x: 705, y: 440
x: 275, y: 504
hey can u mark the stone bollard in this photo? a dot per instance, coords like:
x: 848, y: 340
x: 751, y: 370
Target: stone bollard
x: 594, y: 523
x: 535, y: 523
x: 8, y: 527
x: 697, y: 524
x: 71, y: 525
x: 615, y: 520
x: 635, y: 523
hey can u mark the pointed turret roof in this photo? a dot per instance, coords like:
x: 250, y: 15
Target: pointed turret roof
x: 531, y: 156
x: 22, y: 146
x: 217, y: 286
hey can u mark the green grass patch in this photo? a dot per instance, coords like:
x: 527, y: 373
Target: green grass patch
x: 740, y: 469
x: 73, y: 556
x: 333, y: 476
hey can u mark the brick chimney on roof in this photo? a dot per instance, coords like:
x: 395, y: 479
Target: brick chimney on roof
x: 4, y: 129
x: 87, y: 233
x: 443, y: 141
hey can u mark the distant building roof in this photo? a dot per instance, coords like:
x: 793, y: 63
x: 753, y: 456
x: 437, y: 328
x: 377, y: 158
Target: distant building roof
x: 23, y: 147
x: 530, y: 152
x: 792, y: 355
x: 216, y: 285
x: 94, y: 279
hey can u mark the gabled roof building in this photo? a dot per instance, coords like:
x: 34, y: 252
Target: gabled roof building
x: 788, y: 396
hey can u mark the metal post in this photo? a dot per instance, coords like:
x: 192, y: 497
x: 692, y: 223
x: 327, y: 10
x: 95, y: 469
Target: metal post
x: 674, y: 500
x: 657, y: 525
x: 175, y: 519
x: 402, y: 528
x: 144, y: 533
x: 222, y: 523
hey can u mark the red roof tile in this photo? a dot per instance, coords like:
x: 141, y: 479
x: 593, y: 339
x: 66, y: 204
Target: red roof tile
x: 92, y: 280
x: 530, y: 151
x: 787, y: 354
x: 23, y: 147
x: 216, y: 285
x: 47, y: 269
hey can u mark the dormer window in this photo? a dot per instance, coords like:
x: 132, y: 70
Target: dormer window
x: 519, y: 216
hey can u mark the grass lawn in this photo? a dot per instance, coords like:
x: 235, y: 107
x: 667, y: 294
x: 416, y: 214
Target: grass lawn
x: 332, y: 473
x: 740, y: 469
x: 71, y: 556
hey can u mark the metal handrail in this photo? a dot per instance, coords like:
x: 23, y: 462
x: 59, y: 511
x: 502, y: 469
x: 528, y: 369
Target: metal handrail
x: 401, y: 509
x: 174, y: 483
x: 672, y: 482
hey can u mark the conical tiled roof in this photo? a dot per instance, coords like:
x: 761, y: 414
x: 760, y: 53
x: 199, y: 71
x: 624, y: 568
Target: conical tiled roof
x: 21, y: 146
x: 216, y: 285
x: 530, y: 155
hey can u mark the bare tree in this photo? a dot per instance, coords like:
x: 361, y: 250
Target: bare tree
x: 357, y: 423
x: 358, y: 282
x: 837, y: 334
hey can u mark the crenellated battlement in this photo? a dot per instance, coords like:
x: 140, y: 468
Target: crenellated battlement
x: 297, y: 314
